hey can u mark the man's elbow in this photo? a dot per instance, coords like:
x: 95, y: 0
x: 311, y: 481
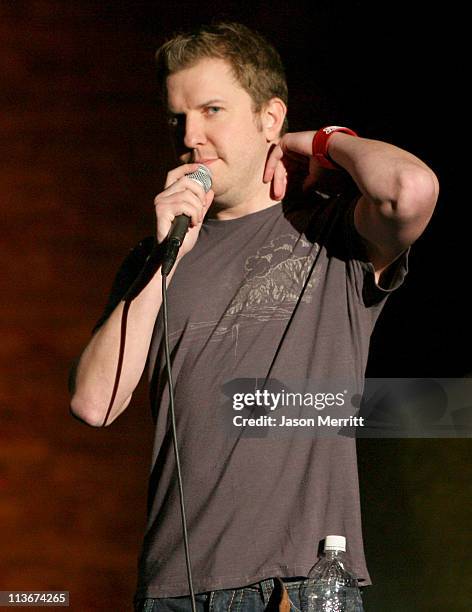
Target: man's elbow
x: 86, y: 412
x: 418, y: 194
x: 93, y: 413
x: 81, y: 408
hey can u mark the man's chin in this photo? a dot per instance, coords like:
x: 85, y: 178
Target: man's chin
x: 219, y: 190
x: 220, y: 202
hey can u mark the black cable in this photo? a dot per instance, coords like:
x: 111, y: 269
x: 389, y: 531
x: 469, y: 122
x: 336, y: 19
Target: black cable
x: 322, y: 241
x: 121, y: 354
x: 174, y: 439
x: 152, y: 261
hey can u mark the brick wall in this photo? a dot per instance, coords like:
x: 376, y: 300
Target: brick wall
x: 78, y: 126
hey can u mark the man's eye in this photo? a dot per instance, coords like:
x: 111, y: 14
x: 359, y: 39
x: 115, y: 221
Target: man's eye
x: 213, y: 110
x: 173, y: 121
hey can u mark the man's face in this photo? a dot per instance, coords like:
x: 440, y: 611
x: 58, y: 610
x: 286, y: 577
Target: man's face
x: 214, y: 124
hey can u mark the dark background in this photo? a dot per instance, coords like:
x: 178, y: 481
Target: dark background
x: 84, y: 152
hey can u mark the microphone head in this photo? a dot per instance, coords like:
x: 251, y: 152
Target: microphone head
x: 202, y: 176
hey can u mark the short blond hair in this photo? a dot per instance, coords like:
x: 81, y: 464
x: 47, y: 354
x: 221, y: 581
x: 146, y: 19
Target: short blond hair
x: 255, y: 63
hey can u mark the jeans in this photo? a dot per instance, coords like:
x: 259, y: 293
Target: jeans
x: 252, y: 598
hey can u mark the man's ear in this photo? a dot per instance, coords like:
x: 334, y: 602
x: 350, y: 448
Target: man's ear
x: 272, y: 116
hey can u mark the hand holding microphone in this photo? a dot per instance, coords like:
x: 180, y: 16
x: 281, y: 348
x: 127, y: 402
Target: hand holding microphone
x: 184, y: 201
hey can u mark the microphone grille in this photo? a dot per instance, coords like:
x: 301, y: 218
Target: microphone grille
x: 202, y: 176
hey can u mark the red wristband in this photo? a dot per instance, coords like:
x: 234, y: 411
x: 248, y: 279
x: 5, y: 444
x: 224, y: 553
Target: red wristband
x: 320, y: 145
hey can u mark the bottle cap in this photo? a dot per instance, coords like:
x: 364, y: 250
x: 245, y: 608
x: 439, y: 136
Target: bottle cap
x: 335, y: 542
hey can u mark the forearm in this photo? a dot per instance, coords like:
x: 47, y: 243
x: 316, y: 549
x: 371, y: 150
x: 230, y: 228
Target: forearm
x: 94, y: 377
x: 386, y: 174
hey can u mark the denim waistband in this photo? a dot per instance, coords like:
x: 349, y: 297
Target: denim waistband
x: 265, y: 587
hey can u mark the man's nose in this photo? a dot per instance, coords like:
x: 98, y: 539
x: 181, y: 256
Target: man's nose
x: 194, y: 132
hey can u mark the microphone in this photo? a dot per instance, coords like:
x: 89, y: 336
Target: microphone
x: 179, y: 227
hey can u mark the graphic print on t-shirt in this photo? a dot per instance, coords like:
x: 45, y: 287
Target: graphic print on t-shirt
x: 274, y: 279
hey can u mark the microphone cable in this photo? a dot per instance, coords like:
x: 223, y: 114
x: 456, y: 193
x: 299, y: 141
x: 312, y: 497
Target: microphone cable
x: 163, y: 255
x: 174, y: 440
x: 131, y: 293
x: 177, y: 235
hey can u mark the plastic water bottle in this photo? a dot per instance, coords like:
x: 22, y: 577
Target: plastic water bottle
x: 331, y: 586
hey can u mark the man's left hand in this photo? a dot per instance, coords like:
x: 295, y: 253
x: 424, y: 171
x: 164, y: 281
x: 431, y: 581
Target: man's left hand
x: 289, y: 160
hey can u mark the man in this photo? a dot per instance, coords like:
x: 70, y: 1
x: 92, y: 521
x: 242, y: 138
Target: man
x: 273, y: 279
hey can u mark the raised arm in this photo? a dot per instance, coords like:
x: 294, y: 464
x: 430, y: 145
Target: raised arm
x: 399, y: 191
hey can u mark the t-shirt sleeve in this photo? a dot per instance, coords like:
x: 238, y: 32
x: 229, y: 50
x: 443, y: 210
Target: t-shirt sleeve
x: 126, y: 275
x: 362, y: 270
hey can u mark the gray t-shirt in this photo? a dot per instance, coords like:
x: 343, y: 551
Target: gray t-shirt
x: 285, y: 292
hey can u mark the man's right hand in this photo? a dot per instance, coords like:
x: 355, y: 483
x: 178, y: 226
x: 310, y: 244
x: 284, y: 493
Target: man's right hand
x: 182, y: 196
